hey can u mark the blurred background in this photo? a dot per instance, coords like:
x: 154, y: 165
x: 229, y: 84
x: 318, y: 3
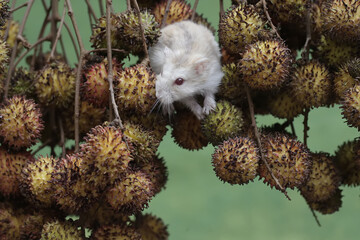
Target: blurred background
x: 197, y: 205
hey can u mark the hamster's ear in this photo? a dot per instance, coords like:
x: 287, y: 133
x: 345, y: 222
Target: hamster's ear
x: 201, y: 65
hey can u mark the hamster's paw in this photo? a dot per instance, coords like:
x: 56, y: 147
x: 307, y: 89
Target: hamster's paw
x: 209, y: 104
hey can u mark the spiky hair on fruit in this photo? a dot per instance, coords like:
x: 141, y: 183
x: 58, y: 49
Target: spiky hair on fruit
x: 341, y: 19
x: 105, y: 154
x: 55, y: 84
x: 129, y: 34
x: 131, y: 193
x: 60, y: 230
x: 232, y: 85
x: 179, y: 10
x: 200, y: 19
x: 20, y: 123
x: 283, y: 105
x: 289, y: 161
x: 350, y: 105
x: 116, y: 232
x: 135, y: 89
x: 343, y: 81
x: 225, y: 121
x: 4, y: 12
x: 22, y: 83
x: 311, y: 85
x: 265, y: 64
x: 32, y: 226
x: 95, y: 87
x: 286, y: 11
x: 236, y: 160
x: 330, y: 205
x: 151, y: 227
x: 148, y: 4
x: 36, y: 183
x: 4, y: 51
x: 324, y: 179
x: 12, y: 33
x: 11, y: 165
x: 9, y: 223
x: 354, y: 68
x: 239, y: 26
x: 186, y: 131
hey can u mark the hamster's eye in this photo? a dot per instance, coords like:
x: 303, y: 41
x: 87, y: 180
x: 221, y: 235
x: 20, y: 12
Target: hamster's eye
x: 179, y: 81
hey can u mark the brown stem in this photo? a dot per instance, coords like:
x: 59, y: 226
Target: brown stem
x: 17, y: 8
x: 269, y: 18
x: 305, y: 52
x: 91, y: 10
x: 257, y: 135
x: 8, y: 24
x: 292, y: 128
x: 128, y: 5
x: 63, y: 50
x: 72, y: 40
x: 163, y: 23
x: 44, y: 4
x: 101, y: 8
x: 222, y: 12
x: 58, y: 34
x: 14, y: 50
x: 76, y: 28
x: 41, y: 147
x: 306, y: 125
x: 62, y: 138
x: 106, y: 49
x: 137, y: 9
x: 194, y: 10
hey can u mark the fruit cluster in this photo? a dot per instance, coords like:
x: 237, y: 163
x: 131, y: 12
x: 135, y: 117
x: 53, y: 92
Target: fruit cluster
x: 110, y: 177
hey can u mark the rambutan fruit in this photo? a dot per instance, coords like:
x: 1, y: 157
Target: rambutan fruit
x: 60, y: 230
x: 343, y: 81
x: 200, y: 19
x: 55, y: 84
x: 31, y: 227
x: 284, y: 105
x: 225, y: 121
x: 135, y: 89
x: 22, y: 83
x: 354, y: 68
x: 12, y: 31
x: 311, y: 85
x: 236, y: 160
x: 232, y: 86
x: 20, y: 123
x: 330, y: 205
x: 151, y: 227
x: 11, y: 165
x: 4, y: 51
x: 341, y: 19
x: 239, y: 26
x: 286, y: 11
x: 179, y: 10
x: 102, y: 214
x: 131, y: 193
x: 323, y: 181
x: 9, y: 223
x: 350, y: 105
x: 116, y: 232
x: 148, y: 4
x: 289, y: 161
x: 265, y: 64
x: 187, y: 131
x: 4, y: 12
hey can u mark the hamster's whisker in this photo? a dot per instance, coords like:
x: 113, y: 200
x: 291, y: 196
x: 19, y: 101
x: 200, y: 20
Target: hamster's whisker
x: 155, y: 105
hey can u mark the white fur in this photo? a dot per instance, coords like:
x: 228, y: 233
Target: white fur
x: 186, y: 50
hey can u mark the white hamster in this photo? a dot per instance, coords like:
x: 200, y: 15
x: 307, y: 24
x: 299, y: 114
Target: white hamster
x: 186, y: 60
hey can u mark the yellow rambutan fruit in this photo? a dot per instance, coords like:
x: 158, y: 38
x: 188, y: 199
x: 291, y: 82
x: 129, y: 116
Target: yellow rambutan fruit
x: 4, y: 12
x: 289, y: 161
x: 98, y: 37
x: 131, y: 193
x: 287, y: 11
x: 135, y: 89
x: 284, y: 105
x: 328, y: 206
x: 20, y: 123
x: 341, y: 19
x: 323, y: 181
x: 239, y: 26
x: 151, y: 227
x: 55, y: 84
x: 121, y: 232
x: 11, y: 165
x: 186, y: 131
x: 179, y: 10
x: 350, y: 104
x: 343, y: 81
x: 60, y: 230
x: 12, y: 33
x: 232, y: 86
x: 31, y: 226
x: 225, y: 121
x: 236, y: 160
x: 311, y: 85
x: 4, y: 59
x: 22, y: 83
x: 265, y: 64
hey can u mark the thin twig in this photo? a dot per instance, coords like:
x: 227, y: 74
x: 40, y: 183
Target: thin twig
x: 257, y: 135
x: 305, y: 52
x: 101, y: 8
x: 14, y: 50
x: 41, y: 146
x: 194, y: 10
x: 58, y: 34
x: 269, y: 18
x: 292, y: 128
x: 17, y: 8
x: 8, y: 24
x: 163, y: 23
x: 72, y: 40
x: 141, y: 29
x: 62, y: 138
x: 91, y: 10
x: 63, y: 49
x: 306, y: 125
x: 222, y: 12
x: 128, y: 5
x: 105, y: 49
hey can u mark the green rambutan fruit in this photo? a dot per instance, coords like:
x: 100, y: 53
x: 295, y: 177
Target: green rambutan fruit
x: 186, y: 131
x: 151, y: 227
x: 236, y: 160
x: 323, y: 181
x: 131, y: 193
x: 350, y: 104
x: 20, y: 123
x: 343, y: 81
x: 341, y: 20
x: 55, y: 84
x: 135, y: 89
x: 240, y: 26
x: 232, y: 86
x: 330, y: 205
x: 284, y: 105
x: 225, y: 121
x: 289, y: 161
x: 265, y: 64
x: 11, y: 165
x: 311, y: 85
x: 60, y: 230
x: 22, y: 83
x: 179, y: 10
x: 121, y: 232
x: 287, y: 11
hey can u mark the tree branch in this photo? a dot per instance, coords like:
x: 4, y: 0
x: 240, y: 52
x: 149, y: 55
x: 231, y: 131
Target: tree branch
x: 58, y: 34
x: 163, y: 23
x: 141, y: 29
x: 269, y: 18
x: 194, y: 10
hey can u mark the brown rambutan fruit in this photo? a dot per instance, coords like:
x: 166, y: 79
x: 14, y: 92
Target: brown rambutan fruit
x: 9, y: 223
x: 113, y: 231
x: 350, y: 105
x: 151, y: 227
x: 179, y: 10
x: 289, y: 161
x: 343, y: 81
x: 323, y: 180
x: 265, y: 64
x: 20, y: 123
x: 102, y: 215
x: 236, y: 160
x: 200, y: 19
x: 4, y: 12
x: 60, y: 230
x: 330, y: 205
x: 286, y: 11
x: 187, y: 131
x: 311, y: 85
x: 135, y: 89
x: 22, y: 83
x: 284, y: 105
x: 232, y: 86
x: 31, y: 227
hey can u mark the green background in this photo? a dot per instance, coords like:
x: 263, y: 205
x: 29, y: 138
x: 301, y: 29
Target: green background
x: 196, y: 205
